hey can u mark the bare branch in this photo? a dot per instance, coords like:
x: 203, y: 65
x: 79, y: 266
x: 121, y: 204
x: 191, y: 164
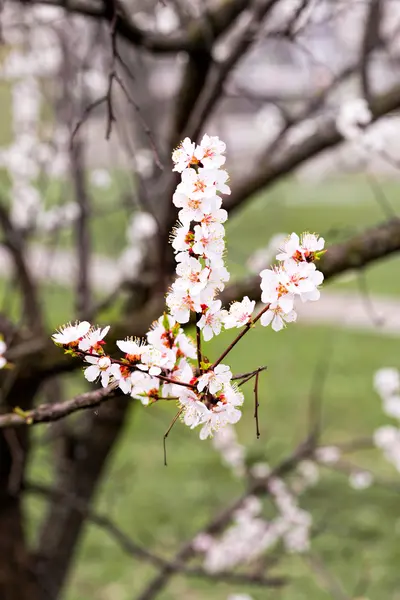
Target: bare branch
x: 359, y: 251
x: 46, y: 413
x: 191, y: 39
x: 15, y: 244
x: 370, y: 40
x: 213, y: 90
x: 327, y: 136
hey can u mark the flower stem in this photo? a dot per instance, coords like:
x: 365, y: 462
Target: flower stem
x: 239, y: 337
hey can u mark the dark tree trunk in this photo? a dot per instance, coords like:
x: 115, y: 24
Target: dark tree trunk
x: 18, y: 579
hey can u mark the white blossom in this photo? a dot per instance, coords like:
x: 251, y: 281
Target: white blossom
x: 181, y: 303
x: 71, y: 334
x: 183, y: 155
x: 133, y: 348
x: 304, y: 249
x: 3, y: 349
x: 239, y: 313
x: 327, y: 454
x: 210, y: 152
x: 277, y: 317
x: 353, y: 117
x: 220, y: 415
x: 100, y: 178
x: 211, y: 321
x: 360, y: 480
x: 387, y: 382
x: 93, y: 339
x: 192, y: 276
x: 209, y: 242
x: 215, y: 380
x: 101, y: 367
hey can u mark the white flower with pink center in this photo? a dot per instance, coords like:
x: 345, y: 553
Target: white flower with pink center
x: 193, y: 209
x: 218, y: 277
x: 220, y: 415
x: 277, y: 317
x: 197, y: 185
x: 203, y: 183
x: 216, y: 214
x: 71, y: 334
x: 301, y: 249
x: 215, y: 379
x: 3, y: 349
x: 303, y: 279
x: 212, y: 320
x: 192, y: 276
x: 93, y: 340
x: 183, y: 155
x: 209, y: 242
x: 274, y: 288
x: 133, y: 348
x: 231, y: 394
x: 181, y: 303
x: 100, y: 367
x: 195, y: 412
x: 182, y: 238
x: 239, y: 313
x: 154, y: 360
x: 210, y: 151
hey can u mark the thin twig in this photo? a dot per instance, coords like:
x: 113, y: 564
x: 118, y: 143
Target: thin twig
x: 143, y: 123
x: 256, y: 404
x: 85, y: 116
x: 198, y: 346
x: 45, y: 413
x: 245, y: 376
x: 166, y: 434
x: 239, y: 337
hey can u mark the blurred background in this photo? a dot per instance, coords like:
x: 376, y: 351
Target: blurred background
x: 94, y: 96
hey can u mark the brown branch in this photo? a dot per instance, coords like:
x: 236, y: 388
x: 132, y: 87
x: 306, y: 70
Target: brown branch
x: 188, y: 40
x: 85, y: 115
x: 286, y: 161
x: 237, y: 339
x: 46, y: 413
x: 14, y: 242
x: 82, y: 231
x: 370, y: 40
x: 212, y: 92
x: 358, y: 252
x: 247, y: 376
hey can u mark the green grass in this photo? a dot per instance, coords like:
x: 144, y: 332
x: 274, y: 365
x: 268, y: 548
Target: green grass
x: 161, y: 507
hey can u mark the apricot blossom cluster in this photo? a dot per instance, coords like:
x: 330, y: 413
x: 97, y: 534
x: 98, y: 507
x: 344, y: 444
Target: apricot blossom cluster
x: 168, y: 364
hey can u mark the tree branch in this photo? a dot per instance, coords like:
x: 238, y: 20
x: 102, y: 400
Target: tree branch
x: 46, y: 413
x: 359, y: 251
x: 14, y: 242
x: 326, y: 137
x: 191, y: 39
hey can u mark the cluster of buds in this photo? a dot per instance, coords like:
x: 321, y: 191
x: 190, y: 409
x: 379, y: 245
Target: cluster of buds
x: 168, y: 365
